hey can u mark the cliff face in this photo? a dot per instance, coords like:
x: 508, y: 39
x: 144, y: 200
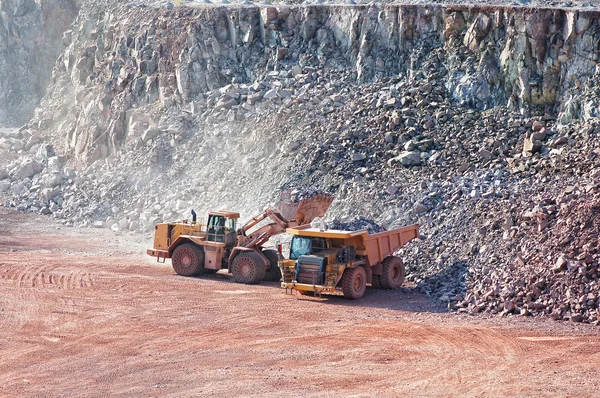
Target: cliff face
x: 30, y: 34
x: 158, y: 61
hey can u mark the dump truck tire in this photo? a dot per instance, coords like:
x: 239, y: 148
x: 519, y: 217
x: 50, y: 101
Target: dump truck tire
x: 188, y: 259
x: 248, y: 267
x: 376, y: 282
x: 273, y: 273
x: 392, y: 273
x: 354, y: 283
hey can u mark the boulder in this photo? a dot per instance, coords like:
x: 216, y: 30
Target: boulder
x: 49, y: 193
x: 408, y: 159
x: 531, y: 146
x: 27, y: 169
x: 150, y: 134
x: 4, y: 185
x: 53, y: 180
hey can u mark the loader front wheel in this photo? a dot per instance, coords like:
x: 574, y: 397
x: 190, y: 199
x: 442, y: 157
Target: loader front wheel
x: 249, y: 268
x: 188, y: 259
x: 354, y: 283
x: 392, y: 273
x: 273, y: 273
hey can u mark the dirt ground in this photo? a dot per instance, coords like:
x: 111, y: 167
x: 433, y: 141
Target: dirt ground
x: 87, y: 313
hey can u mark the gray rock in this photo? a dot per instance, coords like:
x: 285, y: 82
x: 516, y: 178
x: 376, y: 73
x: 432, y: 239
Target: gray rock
x: 296, y: 70
x: 4, y: 185
x: 44, y: 152
x: 409, y: 158
x: 271, y: 94
x: 357, y: 157
x: 53, y: 180
x: 392, y: 189
x: 19, y: 189
x: 150, y: 134
x: 27, y: 169
x: 50, y: 193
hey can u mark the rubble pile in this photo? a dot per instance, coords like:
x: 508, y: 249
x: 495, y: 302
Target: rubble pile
x: 555, y: 272
x: 356, y: 224
x: 450, y: 129
x: 296, y: 195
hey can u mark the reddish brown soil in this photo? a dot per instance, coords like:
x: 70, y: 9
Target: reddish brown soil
x: 86, y: 313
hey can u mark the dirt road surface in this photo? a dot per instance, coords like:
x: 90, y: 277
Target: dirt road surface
x: 86, y: 313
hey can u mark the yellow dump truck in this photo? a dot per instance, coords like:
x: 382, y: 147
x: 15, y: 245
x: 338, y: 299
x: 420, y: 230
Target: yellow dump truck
x: 326, y: 261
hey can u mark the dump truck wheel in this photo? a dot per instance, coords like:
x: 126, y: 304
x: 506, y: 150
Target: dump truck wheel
x: 273, y: 273
x: 354, y: 283
x: 248, y: 267
x: 188, y: 259
x: 376, y: 282
x: 392, y: 273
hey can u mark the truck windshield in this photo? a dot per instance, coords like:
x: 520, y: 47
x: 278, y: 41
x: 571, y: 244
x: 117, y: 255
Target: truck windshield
x: 299, y: 247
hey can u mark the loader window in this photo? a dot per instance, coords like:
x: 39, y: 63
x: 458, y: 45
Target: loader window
x: 216, y: 228
x: 230, y: 236
x: 231, y: 225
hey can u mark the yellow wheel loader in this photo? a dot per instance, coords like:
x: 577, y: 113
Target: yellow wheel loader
x: 196, y: 248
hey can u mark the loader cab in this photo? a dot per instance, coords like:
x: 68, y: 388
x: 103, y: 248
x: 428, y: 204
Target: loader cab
x: 221, y: 227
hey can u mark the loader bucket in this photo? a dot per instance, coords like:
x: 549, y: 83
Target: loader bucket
x: 304, y: 208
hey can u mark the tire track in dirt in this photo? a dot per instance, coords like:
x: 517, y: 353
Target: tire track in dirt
x: 46, y: 276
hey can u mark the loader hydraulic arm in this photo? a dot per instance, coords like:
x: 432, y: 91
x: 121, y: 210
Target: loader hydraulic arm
x: 273, y: 214
x: 290, y: 214
x: 262, y: 234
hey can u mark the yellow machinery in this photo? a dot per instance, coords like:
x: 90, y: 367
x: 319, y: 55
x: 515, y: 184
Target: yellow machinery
x: 325, y: 261
x: 195, y: 248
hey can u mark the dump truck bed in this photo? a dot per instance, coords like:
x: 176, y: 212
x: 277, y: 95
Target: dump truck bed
x: 382, y: 244
x: 375, y: 246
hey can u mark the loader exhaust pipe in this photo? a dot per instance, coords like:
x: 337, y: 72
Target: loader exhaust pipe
x: 193, y: 216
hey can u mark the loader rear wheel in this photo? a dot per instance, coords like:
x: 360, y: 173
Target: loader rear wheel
x: 188, y: 259
x: 273, y: 273
x: 354, y: 283
x: 392, y: 273
x: 249, y: 268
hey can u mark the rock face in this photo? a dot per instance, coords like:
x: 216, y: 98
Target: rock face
x: 122, y: 70
x: 30, y: 34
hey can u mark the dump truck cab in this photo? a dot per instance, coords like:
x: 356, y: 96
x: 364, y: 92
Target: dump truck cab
x: 318, y: 259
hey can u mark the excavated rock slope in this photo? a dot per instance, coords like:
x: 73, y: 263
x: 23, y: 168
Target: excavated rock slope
x: 30, y: 42
x: 477, y: 122
x: 121, y: 61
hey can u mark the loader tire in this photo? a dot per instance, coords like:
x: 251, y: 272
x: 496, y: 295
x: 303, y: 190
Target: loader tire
x: 376, y: 282
x: 354, y: 283
x: 188, y: 259
x: 249, y: 268
x: 392, y: 273
x: 273, y: 273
